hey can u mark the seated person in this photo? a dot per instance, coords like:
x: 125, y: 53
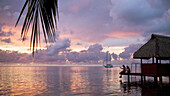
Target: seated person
x: 127, y: 69
x: 123, y: 71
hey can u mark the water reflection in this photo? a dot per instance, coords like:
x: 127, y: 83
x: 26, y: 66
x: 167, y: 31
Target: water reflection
x: 147, y: 89
x: 68, y: 81
x: 22, y: 80
x: 110, y: 81
x: 79, y: 83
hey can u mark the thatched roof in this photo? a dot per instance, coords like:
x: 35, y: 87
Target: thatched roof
x: 158, y: 46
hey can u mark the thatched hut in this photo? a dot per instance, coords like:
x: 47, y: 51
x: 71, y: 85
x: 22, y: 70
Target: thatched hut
x: 157, y: 47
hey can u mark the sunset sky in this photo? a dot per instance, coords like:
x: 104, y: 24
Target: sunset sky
x: 86, y: 30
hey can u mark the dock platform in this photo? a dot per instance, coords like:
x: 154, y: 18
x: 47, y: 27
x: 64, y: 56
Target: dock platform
x: 144, y: 75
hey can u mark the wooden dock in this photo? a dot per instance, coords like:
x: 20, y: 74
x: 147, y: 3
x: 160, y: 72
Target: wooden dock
x: 136, y: 74
x: 140, y: 74
x: 144, y: 75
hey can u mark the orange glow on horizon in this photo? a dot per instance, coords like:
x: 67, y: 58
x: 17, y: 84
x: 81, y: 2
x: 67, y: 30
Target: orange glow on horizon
x: 123, y: 34
x: 116, y: 50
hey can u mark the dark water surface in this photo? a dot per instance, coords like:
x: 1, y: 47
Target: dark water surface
x: 72, y: 81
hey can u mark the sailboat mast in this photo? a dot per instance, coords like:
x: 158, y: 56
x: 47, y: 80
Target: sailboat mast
x: 107, y: 57
x: 108, y: 60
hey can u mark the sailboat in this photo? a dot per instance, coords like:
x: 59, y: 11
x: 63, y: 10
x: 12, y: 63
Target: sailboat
x: 107, y: 61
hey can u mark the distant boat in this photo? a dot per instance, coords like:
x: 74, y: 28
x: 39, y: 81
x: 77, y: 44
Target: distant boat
x: 107, y: 61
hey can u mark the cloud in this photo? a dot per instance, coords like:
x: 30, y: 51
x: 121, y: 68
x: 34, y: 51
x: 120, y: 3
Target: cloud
x: 0, y: 27
x: 93, y: 54
x: 88, y: 20
x: 61, y: 55
x: 60, y: 45
x: 113, y: 20
x: 105, y: 22
x: 55, y: 54
x: 161, y: 27
x: 5, y: 34
x: 114, y: 56
x: 10, y: 11
x: 136, y: 11
x: 14, y: 57
x: 79, y: 43
x: 127, y: 53
x: 6, y: 7
x: 95, y: 48
x: 142, y: 16
x: 8, y: 40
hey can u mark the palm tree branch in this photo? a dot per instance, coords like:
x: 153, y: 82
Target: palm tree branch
x: 39, y: 12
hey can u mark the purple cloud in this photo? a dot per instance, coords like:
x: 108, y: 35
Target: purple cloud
x: 14, y: 56
x: 142, y: 16
x: 8, y: 40
x: 0, y: 26
x: 60, y: 45
x: 104, y: 22
x: 88, y: 20
x: 10, y: 11
x: 95, y: 48
x: 5, y: 34
x: 91, y: 23
x: 125, y: 55
x: 114, y: 56
x: 78, y: 43
x: 61, y: 54
x: 129, y: 51
x: 92, y: 55
x: 136, y: 11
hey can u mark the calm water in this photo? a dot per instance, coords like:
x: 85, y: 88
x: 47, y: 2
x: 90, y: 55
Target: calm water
x: 72, y: 81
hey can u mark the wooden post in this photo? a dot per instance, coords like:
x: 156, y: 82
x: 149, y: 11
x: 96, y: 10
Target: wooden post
x: 144, y: 79
x: 128, y: 78
x: 160, y: 79
x: 155, y: 80
x: 156, y: 60
x: 160, y: 61
x: 135, y: 68
x: 152, y: 59
x: 141, y: 71
x: 141, y: 79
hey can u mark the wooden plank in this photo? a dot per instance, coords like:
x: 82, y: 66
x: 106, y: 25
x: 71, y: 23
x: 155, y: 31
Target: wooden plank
x: 140, y: 74
x: 131, y: 74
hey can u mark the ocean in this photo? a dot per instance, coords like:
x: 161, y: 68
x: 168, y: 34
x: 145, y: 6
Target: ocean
x: 74, y: 81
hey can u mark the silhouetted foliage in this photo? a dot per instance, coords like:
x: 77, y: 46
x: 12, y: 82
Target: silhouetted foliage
x: 39, y: 13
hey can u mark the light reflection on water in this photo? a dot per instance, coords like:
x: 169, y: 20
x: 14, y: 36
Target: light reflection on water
x: 22, y: 80
x: 65, y: 81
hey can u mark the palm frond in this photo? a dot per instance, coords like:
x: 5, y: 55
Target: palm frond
x: 39, y: 12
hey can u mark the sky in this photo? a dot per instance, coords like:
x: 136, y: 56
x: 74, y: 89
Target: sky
x: 87, y: 29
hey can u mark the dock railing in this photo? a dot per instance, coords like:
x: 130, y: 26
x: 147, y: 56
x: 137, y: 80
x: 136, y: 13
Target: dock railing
x: 148, y: 69
x: 135, y: 67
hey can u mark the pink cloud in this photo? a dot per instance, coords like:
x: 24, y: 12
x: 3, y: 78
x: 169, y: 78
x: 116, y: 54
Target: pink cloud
x: 123, y: 34
x: 78, y: 5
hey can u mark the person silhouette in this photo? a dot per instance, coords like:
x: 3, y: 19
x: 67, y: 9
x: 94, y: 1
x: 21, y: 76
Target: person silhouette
x: 127, y: 69
x: 123, y: 70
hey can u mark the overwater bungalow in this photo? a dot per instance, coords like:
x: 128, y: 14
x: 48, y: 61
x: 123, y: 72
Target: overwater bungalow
x: 157, y: 49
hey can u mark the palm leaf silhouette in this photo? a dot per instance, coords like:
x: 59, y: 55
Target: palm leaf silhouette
x: 39, y: 13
